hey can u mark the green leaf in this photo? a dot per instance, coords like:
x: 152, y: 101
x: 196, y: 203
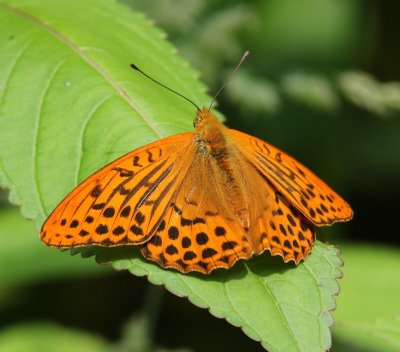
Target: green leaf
x: 254, y: 95
x: 310, y: 89
x: 70, y: 103
x: 365, y: 91
x: 46, y: 337
x: 381, y: 335
x: 24, y: 259
x: 368, y: 315
x: 69, y: 100
x: 285, y: 307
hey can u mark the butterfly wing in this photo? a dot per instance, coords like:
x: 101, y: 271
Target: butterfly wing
x: 124, y: 202
x: 275, y: 224
x: 198, y: 233
x: 309, y: 194
x: 175, y: 203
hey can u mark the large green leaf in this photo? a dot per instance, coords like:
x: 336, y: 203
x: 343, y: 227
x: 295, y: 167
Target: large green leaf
x: 70, y: 103
x: 69, y: 100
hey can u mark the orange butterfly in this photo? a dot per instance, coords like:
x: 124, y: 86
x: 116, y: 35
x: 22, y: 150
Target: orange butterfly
x: 198, y: 201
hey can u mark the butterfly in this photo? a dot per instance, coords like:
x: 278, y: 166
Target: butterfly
x: 198, y: 201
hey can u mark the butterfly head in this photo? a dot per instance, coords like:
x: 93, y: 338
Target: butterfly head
x: 203, y: 119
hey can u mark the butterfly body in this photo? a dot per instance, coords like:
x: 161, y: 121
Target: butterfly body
x: 198, y: 201
x: 215, y: 145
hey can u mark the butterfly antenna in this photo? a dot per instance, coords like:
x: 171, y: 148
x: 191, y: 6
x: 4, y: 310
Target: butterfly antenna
x: 244, y: 57
x: 163, y: 85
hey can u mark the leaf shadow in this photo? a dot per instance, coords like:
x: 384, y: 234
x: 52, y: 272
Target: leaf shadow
x: 107, y: 255
x: 262, y: 265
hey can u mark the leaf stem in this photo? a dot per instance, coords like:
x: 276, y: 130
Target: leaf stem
x: 138, y: 332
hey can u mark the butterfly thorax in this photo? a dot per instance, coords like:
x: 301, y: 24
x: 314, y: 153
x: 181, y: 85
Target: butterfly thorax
x: 215, y: 147
x: 211, y: 133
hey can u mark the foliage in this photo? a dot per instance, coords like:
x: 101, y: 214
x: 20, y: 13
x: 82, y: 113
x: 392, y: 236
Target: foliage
x: 19, y: 255
x: 367, y: 318
x: 69, y: 103
x: 39, y: 337
x: 81, y: 75
x: 321, y: 88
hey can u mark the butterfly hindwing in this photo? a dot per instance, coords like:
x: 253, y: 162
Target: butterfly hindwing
x: 276, y: 225
x: 197, y: 233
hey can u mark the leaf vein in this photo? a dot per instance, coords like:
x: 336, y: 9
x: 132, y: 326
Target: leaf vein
x: 82, y: 134
x: 36, y: 133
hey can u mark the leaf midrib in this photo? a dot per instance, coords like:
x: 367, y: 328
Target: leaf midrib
x: 279, y: 309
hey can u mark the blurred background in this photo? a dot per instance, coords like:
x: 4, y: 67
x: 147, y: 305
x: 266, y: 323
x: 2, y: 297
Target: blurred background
x: 322, y: 82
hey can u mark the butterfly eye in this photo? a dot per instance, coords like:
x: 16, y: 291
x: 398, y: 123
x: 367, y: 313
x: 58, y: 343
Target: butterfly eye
x: 197, y: 120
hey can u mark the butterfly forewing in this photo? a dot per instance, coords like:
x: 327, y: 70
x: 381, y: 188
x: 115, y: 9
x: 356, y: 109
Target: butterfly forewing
x: 123, y: 202
x: 316, y: 200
